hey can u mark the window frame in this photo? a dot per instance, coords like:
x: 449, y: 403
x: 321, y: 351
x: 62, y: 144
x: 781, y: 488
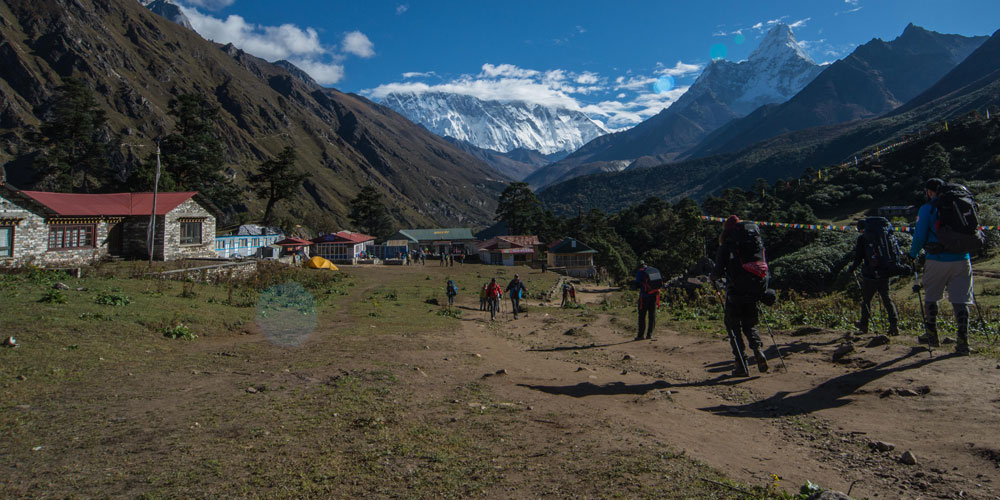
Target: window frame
x: 9, y: 243
x: 63, y: 229
x: 201, y: 232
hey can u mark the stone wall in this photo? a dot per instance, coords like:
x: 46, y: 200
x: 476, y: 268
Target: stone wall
x: 190, y: 209
x: 31, y: 241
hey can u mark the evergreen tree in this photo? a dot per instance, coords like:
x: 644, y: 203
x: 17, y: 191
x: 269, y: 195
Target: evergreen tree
x: 369, y: 214
x: 936, y: 162
x: 192, y: 156
x: 520, y: 209
x: 277, y: 180
x: 73, y: 141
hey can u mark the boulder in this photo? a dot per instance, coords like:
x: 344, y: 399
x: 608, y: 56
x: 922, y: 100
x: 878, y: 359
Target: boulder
x: 843, y: 350
x: 878, y: 340
x: 829, y: 495
x: 60, y: 286
x: 908, y: 458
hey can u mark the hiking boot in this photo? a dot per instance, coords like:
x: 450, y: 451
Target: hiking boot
x: 893, y: 331
x: 740, y: 372
x: 649, y: 336
x: 761, y: 360
x: 639, y: 337
x: 862, y: 327
x: 931, y: 339
x: 962, y: 349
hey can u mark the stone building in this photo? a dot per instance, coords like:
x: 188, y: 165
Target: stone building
x: 69, y: 230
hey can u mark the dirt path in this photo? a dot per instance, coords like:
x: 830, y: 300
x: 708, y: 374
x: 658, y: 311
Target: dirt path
x: 813, y: 423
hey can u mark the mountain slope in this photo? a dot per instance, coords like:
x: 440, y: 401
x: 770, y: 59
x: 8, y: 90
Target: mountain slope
x: 979, y: 69
x: 725, y: 90
x: 516, y: 164
x: 137, y: 61
x: 787, y: 155
x: 497, y: 125
x: 874, y: 79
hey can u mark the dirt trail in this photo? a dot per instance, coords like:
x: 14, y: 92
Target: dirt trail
x: 814, y: 422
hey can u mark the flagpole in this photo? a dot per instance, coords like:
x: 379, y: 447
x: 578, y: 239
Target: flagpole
x: 151, y: 237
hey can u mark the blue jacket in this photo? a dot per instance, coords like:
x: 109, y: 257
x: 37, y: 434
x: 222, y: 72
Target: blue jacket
x: 926, y: 218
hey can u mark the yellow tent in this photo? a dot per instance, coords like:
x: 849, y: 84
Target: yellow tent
x: 318, y: 262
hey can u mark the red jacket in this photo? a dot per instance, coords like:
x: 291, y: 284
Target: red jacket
x: 494, y: 291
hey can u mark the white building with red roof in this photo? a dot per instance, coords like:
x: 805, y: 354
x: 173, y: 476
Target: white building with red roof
x: 509, y: 250
x: 345, y: 247
x: 70, y: 229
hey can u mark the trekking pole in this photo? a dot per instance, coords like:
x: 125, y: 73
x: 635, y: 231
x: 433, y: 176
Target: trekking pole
x: 771, y: 333
x: 862, y: 292
x: 982, y: 322
x: 732, y: 337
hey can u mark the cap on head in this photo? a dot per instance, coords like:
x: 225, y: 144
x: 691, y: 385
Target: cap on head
x: 935, y: 184
x: 642, y: 263
x: 517, y: 275
x: 731, y: 222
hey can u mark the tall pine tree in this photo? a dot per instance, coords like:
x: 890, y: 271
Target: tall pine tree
x: 277, y: 180
x: 369, y: 214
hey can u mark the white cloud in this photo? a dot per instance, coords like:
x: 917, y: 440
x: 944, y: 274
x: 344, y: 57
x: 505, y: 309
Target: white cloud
x: 634, y: 97
x: 581, y: 29
x: 800, y: 23
x: 209, y: 4
x: 506, y: 70
x: 680, y: 69
x: 418, y: 74
x: 758, y: 26
x: 401, y: 9
x: 355, y: 42
x: 300, y: 46
x: 851, y: 2
x: 848, y: 11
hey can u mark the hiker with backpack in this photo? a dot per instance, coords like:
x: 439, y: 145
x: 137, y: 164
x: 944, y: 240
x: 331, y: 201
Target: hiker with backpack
x: 517, y: 291
x: 648, y: 281
x: 451, y: 290
x: 493, y: 295
x: 482, y: 296
x: 741, y: 256
x: 877, y: 252
x: 948, y: 231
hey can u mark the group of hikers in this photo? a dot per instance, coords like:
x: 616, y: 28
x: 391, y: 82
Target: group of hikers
x: 491, y: 295
x: 947, y: 232
x: 420, y: 256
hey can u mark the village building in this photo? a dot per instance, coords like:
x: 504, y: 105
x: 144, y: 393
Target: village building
x: 509, y: 250
x: 70, y: 230
x: 456, y: 240
x: 345, y: 247
x: 250, y: 240
x: 572, y: 257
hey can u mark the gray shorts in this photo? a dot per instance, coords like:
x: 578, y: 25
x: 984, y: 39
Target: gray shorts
x: 956, y: 277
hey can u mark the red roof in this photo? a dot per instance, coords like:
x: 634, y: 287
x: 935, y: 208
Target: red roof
x: 348, y: 236
x: 293, y: 242
x: 72, y: 204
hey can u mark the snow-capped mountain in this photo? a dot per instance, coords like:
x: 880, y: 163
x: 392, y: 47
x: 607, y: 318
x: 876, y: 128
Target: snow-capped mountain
x: 777, y: 70
x: 725, y: 90
x: 498, y: 125
x: 169, y: 10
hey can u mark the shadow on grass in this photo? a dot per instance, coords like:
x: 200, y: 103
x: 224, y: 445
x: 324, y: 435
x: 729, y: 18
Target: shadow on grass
x: 585, y: 389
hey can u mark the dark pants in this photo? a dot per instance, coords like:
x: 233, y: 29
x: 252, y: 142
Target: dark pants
x: 869, y: 287
x: 451, y: 300
x: 515, y: 304
x: 647, y: 308
x: 741, y: 317
x: 494, y: 305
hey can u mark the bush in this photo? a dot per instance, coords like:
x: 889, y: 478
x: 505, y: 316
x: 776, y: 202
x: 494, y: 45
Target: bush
x: 113, y: 298
x: 814, y: 267
x: 53, y: 297
x: 179, y: 331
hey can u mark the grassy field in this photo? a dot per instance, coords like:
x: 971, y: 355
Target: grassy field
x: 145, y: 388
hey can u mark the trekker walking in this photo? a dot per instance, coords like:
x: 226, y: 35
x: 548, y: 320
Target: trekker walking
x: 877, y: 252
x: 565, y: 295
x: 648, y: 281
x: 947, y: 230
x: 482, y: 296
x: 493, y: 294
x: 517, y: 290
x: 741, y: 257
x: 451, y: 290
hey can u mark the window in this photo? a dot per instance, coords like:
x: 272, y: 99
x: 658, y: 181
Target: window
x: 6, y: 241
x: 191, y: 233
x: 69, y: 237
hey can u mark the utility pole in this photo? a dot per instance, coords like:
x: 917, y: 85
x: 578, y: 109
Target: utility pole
x: 151, y: 236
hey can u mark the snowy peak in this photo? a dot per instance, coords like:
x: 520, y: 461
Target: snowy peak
x: 498, y: 125
x: 779, y: 43
x: 169, y: 10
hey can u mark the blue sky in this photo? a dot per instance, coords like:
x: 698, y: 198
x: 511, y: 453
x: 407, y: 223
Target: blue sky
x: 598, y: 57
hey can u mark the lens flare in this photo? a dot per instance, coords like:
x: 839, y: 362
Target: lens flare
x: 718, y: 51
x: 286, y: 313
x: 664, y: 84
x: 739, y: 39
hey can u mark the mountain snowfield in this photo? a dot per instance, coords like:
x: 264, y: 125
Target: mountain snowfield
x: 497, y: 125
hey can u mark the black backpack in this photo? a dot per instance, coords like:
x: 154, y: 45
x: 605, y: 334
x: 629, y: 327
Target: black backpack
x: 748, y: 263
x: 957, y: 226
x: 654, y: 280
x: 883, y: 257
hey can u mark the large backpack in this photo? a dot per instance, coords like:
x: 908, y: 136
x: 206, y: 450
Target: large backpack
x: 654, y: 280
x: 883, y: 257
x: 957, y: 226
x: 748, y: 257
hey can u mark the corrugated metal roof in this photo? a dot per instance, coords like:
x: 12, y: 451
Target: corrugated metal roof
x: 74, y: 204
x: 570, y: 245
x: 451, y: 234
x: 344, y: 237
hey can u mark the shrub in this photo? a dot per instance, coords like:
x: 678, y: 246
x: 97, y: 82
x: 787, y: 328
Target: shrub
x: 53, y: 297
x: 113, y: 298
x: 179, y: 331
